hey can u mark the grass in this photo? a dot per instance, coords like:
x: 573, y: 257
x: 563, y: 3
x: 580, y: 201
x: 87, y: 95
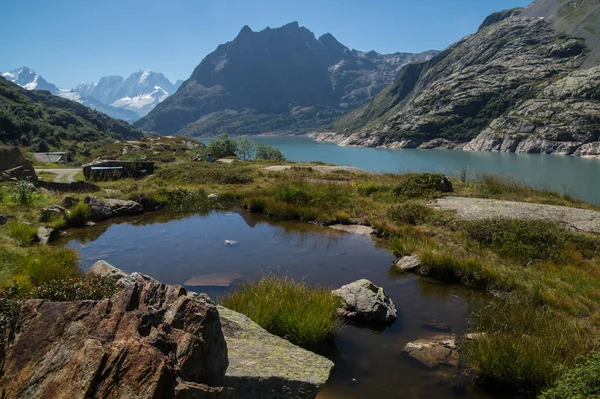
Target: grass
x: 525, y: 348
x: 410, y: 213
x: 79, y: 215
x: 23, y: 233
x: 303, y: 314
x: 206, y: 173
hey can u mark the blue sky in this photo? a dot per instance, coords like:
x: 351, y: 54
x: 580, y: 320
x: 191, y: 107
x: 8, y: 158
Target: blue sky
x: 69, y: 41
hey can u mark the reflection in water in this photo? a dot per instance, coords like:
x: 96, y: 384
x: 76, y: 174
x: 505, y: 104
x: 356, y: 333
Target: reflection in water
x: 190, y: 249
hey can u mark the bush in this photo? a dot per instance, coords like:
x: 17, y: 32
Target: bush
x: 524, y: 347
x: 306, y: 316
x: 529, y: 240
x: 221, y: 147
x: 79, y: 215
x: 269, y: 153
x: 414, y: 185
x: 24, y: 193
x: 23, y: 233
x: 580, y: 382
x: 410, y: 214
x: 75, y: 289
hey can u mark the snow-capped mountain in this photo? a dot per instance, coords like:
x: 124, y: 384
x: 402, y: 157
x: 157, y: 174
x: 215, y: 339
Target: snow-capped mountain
x: 140, y: 92
x: 127, y: 99
x: 29, y: 80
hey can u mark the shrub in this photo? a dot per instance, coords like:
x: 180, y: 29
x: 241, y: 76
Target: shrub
x: 305, y: 315
x: 524, y: 347
x: 580, y: 382
x: 528, y: 240
x: 268, y: 153
x: 410, y: 213
x: 23, y: 233
x: 75, y: 289
x: 79, y: 215
x: 221, y: 147
x: 24, y: 193
x: 414, y: 185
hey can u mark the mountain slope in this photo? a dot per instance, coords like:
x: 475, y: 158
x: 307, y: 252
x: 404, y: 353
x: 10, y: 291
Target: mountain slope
x: 275, y: 79
x: 515, y: 85
x: 28, y: 117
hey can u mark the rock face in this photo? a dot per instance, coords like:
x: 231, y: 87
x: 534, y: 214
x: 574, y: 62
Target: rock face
x: 281, y: 79
x: 147, y: 341
x: 363, y: 300
x: 515, y: 85
x: 434, y: 351
x: 265, y: 366
x: 99, y: 210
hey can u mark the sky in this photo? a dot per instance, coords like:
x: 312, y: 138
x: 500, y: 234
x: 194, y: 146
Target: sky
x: 70, y: 41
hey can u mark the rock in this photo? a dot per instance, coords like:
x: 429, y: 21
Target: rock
x: 146, y: 341
x: 444, y: 185
x: 364, y: 301
x: 69, y: 201
x: 45, y: 235
x: 14, y: 165
x: 213, y: 196
x: 353, y: 228
x: 52, y: 212
x: 99, y: 210
x: 475, y: 336
x: 408, y: 263
x: 148, y: 203
x: 434, y: 351
x: 265, y: 366
x: 124, y: 207
x: 106, y: 270
x: 4, y: 219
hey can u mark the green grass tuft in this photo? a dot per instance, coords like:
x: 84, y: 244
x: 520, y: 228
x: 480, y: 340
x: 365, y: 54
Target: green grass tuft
x: 305, y: 315
x: 25, y: 234
x: 79, y: 215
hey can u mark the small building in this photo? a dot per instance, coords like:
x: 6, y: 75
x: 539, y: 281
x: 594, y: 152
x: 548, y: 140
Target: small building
x: 112, y: 170
x: 55, y: 157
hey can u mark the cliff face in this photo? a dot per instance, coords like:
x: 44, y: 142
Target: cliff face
x: 274, y: 80
x: 518, y: 84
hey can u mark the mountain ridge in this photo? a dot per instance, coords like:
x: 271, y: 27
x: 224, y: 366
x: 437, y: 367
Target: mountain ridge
x: 276, y: 79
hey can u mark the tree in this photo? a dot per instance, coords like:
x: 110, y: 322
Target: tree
x: 245, y: 147
x: 221, y: 147
x: 268, y: 153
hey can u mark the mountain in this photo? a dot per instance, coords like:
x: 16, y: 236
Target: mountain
x: 31, y: 117
x: 274, y: 80
x: 139, y: 93
x: 527, y: 81
x: 30, y: 80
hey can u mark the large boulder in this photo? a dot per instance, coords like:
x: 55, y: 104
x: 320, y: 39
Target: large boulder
x: 363, y: 300
x: 69, y: 201
x: 45, y: 235
x: 146, y: 341
x: 14, y: 165
x: 124, y: 207
x: 264, y: 366
x: 99, y: 210
x: 52, y: 212
x: 408, y: 263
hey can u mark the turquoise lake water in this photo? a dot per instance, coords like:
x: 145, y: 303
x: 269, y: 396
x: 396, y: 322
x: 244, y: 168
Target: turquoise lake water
x: 574, y: 175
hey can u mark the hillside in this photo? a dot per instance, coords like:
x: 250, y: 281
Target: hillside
x: 274, y: 80
x: 522, y: 83
x: 32, y: 117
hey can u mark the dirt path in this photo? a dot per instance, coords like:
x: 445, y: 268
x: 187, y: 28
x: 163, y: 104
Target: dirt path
x: 62, y: 175
x: 319, y: 168
x: 479, y: 208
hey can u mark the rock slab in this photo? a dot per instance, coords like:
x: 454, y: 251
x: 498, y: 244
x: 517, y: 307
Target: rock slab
x: 434, y: 351
x: 365, y: 301
x: 146, y: 341
x: 264, y: 366
x: 408, y: 263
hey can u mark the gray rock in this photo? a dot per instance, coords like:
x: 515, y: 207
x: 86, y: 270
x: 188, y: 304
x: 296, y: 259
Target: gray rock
x: 106, y: 270
x: 14, y: 165
x: 99, y: 210
x: 45, y: 235
x: 475, y: 336
x: 52, y: 212
x: 124, y: 207
x: 212, y: 196
x: 408, y: 263
x: 264, y: 366
x: 69, y: 201
x: 365, y: 301
x: 434, y: 351
x: 444, y: 185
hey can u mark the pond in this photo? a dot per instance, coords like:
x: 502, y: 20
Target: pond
x: 207, y: 253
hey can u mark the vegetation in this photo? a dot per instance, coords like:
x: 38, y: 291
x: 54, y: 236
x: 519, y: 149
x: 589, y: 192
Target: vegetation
x: 23, y: 233
x: 581, y: 382
x: 79, y: 215
x: 265, y: 152
x: 300, y: 313
x: 43, y: 121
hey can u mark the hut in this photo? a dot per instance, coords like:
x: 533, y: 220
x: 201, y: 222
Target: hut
x: 112, y: 170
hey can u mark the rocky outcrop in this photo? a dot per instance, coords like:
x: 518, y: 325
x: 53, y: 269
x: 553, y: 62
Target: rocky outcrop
x: 124, y: 207
x: 434, y: 351
x: 52, y: 212
x: 105, y: 209
x: 149, y: 340
x: 514, y: 86
x: 363, y: 300
x: 13, y: 165
x: 268, y: 367
x: 99, y: 210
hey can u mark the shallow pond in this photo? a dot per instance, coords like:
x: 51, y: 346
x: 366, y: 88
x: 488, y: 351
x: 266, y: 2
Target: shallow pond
x: 192, y: 251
